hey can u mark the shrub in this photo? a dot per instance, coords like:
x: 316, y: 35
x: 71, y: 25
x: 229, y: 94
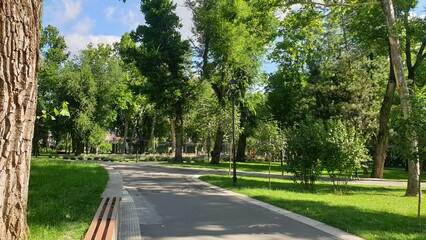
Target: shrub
x: 305, y: 147
x: 344, y: 152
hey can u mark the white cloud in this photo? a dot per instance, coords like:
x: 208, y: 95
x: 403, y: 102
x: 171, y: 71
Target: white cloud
x: 65, y: 11
x: 418, y: 14
x: 132, y: 19
x: 185, y: 15
x: 109, y: 12
x: 78, y: 42
x: 85, y: 25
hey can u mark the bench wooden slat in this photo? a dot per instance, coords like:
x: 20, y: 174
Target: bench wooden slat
x: 104, y: 220
x: 94, y: 223
x: 105, y: 223
x: 113, y: 221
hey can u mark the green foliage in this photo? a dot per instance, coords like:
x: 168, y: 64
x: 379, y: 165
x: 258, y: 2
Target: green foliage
x: 162, y: 56
x: 323, y: 73
x: 415, y: 124
x: 53, y: 55
x: 344, y: 153
x: 64, y: 112
x: 97, y: 136
x: 306, y: 143
x: 268, y: 138
x: 314, y: 146
x: 375, y: 212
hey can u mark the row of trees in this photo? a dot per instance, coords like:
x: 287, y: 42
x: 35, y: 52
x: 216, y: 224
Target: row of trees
x: 332, y: 63
x: 339, y: 65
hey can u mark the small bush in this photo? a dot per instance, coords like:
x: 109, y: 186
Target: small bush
x: 305, y: 145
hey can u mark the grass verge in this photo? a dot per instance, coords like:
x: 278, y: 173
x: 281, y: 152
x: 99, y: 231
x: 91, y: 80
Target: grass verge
x: 63, y: 198
x: 371, y: 212
x: 397, y: 174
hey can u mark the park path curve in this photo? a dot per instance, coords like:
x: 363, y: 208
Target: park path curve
x: 171, y: 203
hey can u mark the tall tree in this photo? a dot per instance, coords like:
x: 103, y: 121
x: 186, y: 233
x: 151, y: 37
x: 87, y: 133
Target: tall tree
x: 232, y: 37
x: 19, y: 40
x: 413, y: 46
x: 53, y: 54
x: 398, y: 68
x: 163, y: 58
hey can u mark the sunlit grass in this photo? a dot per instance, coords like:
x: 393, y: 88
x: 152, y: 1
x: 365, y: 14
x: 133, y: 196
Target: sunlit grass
x: 242, y: 166
x: 398, y: 174
x: 63, y: 198
x: 367, y: 211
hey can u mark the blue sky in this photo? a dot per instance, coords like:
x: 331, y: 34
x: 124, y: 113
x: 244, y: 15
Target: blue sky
x: 85, y: 21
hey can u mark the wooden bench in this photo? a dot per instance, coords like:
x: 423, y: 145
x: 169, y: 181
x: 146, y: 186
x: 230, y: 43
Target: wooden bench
x: 104, y: 225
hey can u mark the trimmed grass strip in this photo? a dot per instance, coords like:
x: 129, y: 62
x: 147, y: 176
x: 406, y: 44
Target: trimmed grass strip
x: 371, y: 212
x: 63, y: 198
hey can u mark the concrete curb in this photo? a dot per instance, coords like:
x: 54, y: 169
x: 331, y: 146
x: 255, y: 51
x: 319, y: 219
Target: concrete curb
x: 129, y: 221
x: 313, y: 223
x: 115, y: 183
x: 129, y: 228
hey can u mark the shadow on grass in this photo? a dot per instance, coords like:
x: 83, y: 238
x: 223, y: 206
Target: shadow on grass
x: 242, y: 166
x: 288, y: 185
x: 364, y: 223
x: 355, y: 212
x: 63, y: 192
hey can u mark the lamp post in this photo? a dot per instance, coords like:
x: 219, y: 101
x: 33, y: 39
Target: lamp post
x: 233, y: 84
x: 208, y: 142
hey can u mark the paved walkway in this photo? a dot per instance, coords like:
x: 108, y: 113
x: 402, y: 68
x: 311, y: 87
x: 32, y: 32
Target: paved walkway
x: 162, y: 203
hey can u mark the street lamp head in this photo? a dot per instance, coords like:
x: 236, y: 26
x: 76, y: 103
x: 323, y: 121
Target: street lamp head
x: 233, y: 83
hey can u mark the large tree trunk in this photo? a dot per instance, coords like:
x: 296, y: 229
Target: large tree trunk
x: 179, y: 135
x: 125, y: 137
x: 152, y: 133
x: 173, y: 134
x: 242, y: 139
x: 19, y: 41
x: 413, y: 166
x: 217, y: 149
x: 241, y: 149
x: 383, y: 136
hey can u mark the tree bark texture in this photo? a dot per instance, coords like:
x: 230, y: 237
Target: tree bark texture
x: 173, y: 133
x: 217, y: 149
x: 152, y: 133
x: 179, y: 134
x: 383, y: 136
x: 125, y: 137
x: 413, y: 166
x: 19, y: 43
x: 241, y: 149
x: 242, y: 139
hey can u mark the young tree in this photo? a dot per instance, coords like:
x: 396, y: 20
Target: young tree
x: 19, y: 57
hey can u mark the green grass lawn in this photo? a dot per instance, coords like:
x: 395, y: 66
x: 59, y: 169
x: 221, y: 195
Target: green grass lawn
x: 367, y: 211
x: 63, y: 197
x: 241, y: 166
x: 398, y: 174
